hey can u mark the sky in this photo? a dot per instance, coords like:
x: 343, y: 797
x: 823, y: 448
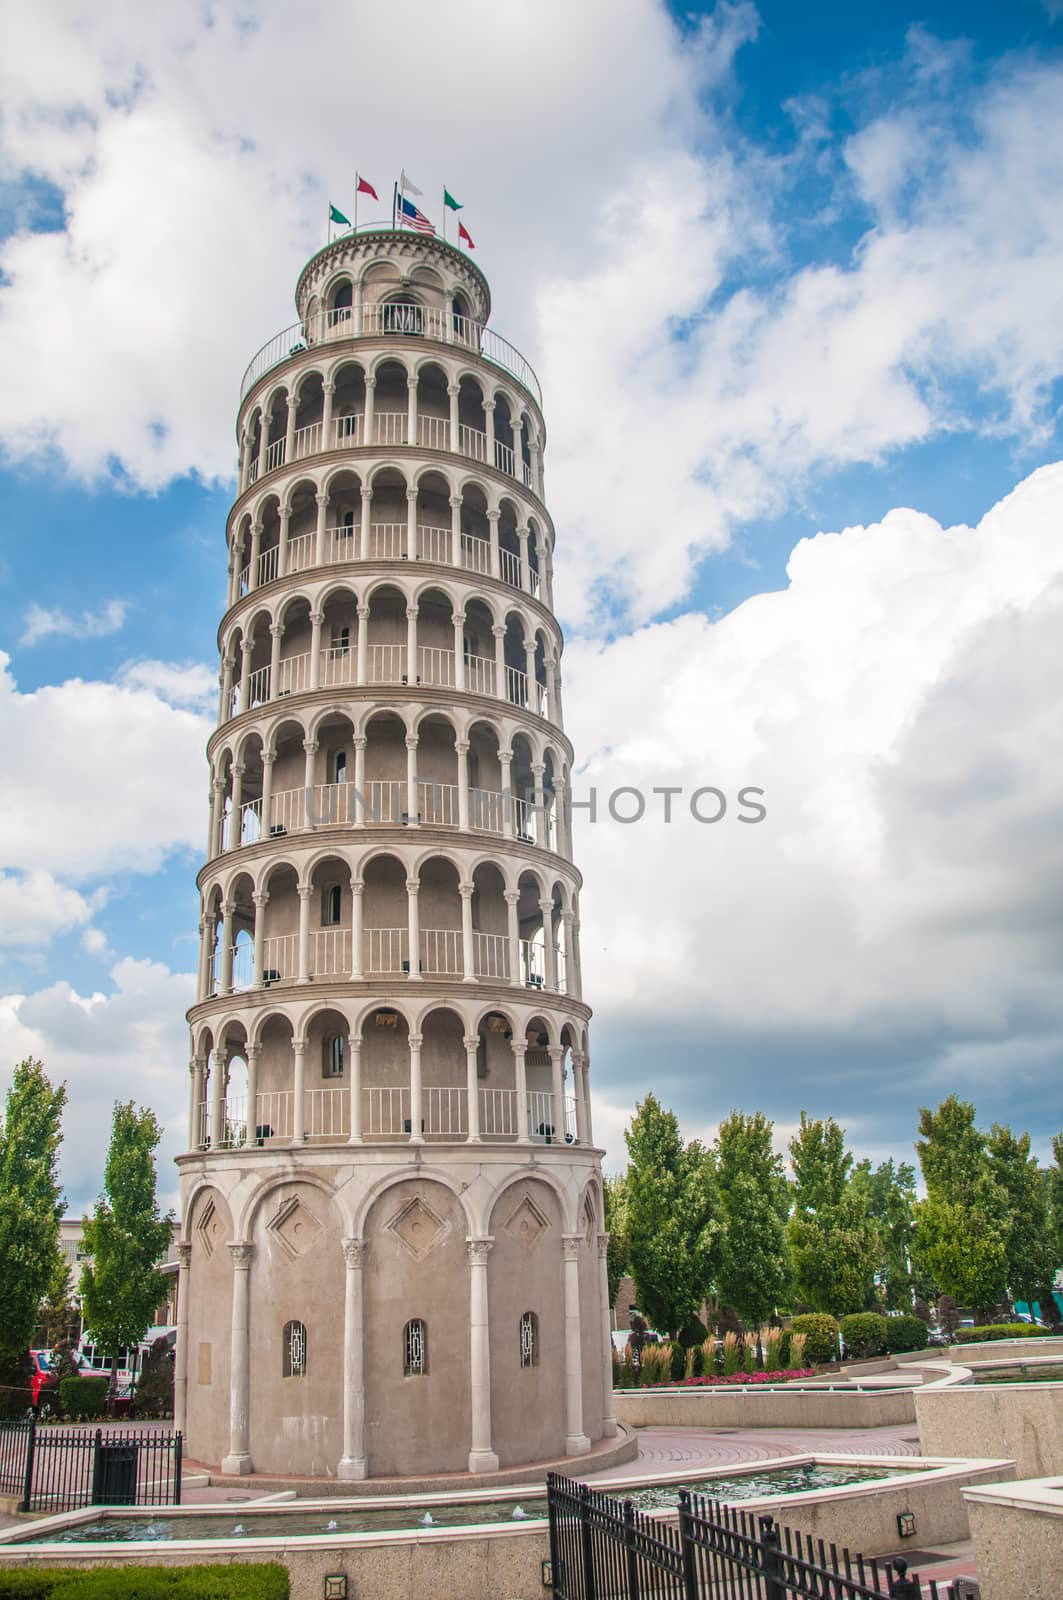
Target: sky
x: 790, y: 277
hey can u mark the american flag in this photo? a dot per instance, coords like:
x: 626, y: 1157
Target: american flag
x: 410, y: 217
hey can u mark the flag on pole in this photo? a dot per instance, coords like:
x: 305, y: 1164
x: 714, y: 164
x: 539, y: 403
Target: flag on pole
x: 336, y: 215
x: 408, y: 186
x: 365, y: 187
x: 449, y: 200
x: 410, y: 217
x: 463, y: 233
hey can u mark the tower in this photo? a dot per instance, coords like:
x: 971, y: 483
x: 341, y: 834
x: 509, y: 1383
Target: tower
x: 393, y: 1259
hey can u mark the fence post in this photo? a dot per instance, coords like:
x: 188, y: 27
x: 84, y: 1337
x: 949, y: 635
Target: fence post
x: 554, y: 1512
x: 770, y: 1547
x: 31, y: 1450
x: 686, y: 1546
x: 901, y: 1586
x: 178, y: 1452
x: 589, y: 1588
x: 630, y: 1556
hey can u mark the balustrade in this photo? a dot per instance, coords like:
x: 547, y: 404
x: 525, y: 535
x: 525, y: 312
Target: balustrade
x: 437, y: 803
x: 328, y: 1113
x: 280, y: 958
x: 491, y: 955
x: 435, y: 666
x: 387, y: 951
x: 387, y: 663
x: 330, y: 953
x: 440, y: 950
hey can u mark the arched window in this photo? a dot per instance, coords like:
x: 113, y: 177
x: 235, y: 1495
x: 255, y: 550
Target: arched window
x: 340, y: 639
x: 529, y: 1339
x: 342, y: 302
x: 332, y: 1056
x: 339, y: 766
x: 415, y: 1349
x: 294, y: 1350
x: 331, y: 906
x: 459, y: 313
x: 401, y: 315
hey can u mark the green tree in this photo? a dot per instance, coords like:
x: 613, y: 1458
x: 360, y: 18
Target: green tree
x: 31, y: 1202
x: 617, y: 1226
x: 834, y: 1244
x: 963, y: 1225
x: 753, y: 1274
x: 890, y: 1192
x: 57, y: 1314
x: 126, y: 1236
x: 1029, y: 1246
x: 673, y: 1227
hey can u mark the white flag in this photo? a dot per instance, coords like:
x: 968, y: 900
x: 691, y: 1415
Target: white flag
x: 408, y: 186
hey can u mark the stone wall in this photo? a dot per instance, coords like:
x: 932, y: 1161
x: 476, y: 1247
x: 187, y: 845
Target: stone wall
x: 1019, y: 1421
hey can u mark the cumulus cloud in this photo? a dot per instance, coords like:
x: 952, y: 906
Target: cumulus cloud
x: 34, y: 908
x: 130, y: 1043
x: 189, y: 683
x: 100, y: 777
x: 43, y: 622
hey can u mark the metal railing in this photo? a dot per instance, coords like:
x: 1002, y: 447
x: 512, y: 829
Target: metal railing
x: 491, y: 955
x: 64, y: 1469
x: 603, y: 1546
x: 379, y: 317
x: 498, y: 1113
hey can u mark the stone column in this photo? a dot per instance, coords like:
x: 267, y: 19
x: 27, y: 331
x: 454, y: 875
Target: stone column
x: 235, y: 820
x: 357, y: 888
x: 268, y: 758
x: 518, y: 456
x: 557, y: 1089
x: 416, y: 1113
x: 276, y: 634
x: 509, y: 810
x: 579, y: 1086
x: 468, y: 961
x: 353, y: 1462
x: 561, y: 841
x: 461, y: 750
x: 362, y: 666
x: 289, y: 431
x: 261, y: 901
x: 568, y: 937
x: 609, y: 1428
x: 355, y: 1046
x: 411, y: 527
x: 413, y: 926
x: 367, y: 507
x: 520, y: 1079
x: 358, y: 799
x: 369, y: 430
x: 489, y: 426
x: 539, y: 800
x: 225, y: 699
x: 180, y: 1358
x: 310, y: 748
x: 256, y: 548
x: 458, y: 620
x: 481, y: 1457
x: 411, y: 644
x: 576, y: 1441
x: 525, y: 566
x: 549, y: 958
x: 304, y: 891
x: 327, y: 441
x: 263, y: 443
x: 217, y: 817
x: 453, y: 390
x: 299, y: 1092
x: 252, y: 1052
x: 247, y: 645
x: 217, y: 1099
x: 531, y: 685
x: 285, y: 515
x: 245, y: 460
x: 193, y: 1104
x: 587, y: 1100
x: 316, y: 619
x: 495, y: 558
x: 239, y: 1459
x: 512, y: 899
x: 472, y: 1085
x: 227, y: 909
x: 412, y: 796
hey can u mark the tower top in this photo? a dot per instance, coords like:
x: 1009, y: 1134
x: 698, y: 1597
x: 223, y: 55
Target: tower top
x: 375, y: 254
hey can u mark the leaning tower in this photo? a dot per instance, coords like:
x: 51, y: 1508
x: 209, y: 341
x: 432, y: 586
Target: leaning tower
x: 393, y: 1260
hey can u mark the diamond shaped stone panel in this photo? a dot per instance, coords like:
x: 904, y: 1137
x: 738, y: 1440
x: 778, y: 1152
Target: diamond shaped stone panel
x: 418, y: 1228
x: 209, y: 1228
x: 527, y: 1224
x: 295, y: 1228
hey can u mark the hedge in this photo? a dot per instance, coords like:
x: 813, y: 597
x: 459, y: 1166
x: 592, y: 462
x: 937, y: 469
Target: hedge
x: 864, y: 1333
x: 83, y: 1398
x: 230, y: 1582
x: 1001, y: 1330
x: 821, y: 1335
x: 907, y: 1332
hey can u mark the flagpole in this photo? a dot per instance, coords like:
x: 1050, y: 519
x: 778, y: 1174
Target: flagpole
x: 356, y: 202
x: 444, y: 216
x: 394, y: 202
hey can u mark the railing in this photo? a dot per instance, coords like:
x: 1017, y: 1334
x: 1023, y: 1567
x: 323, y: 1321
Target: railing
x: 541, y: 1122
x: 441, y: 950
x: 330, y: 953
x: 347, y: 430
x: 386, y: 950
x: 390, y: 427
x: 65, y: 1469
x: 475, y: 554
x: 602, y: 1546
x: 386, y: 663
x: 252, y: 471
x: 385, y: 1111
x: 433, y: 544
x: 280, y: 954
x: 275, y: 455
x: 471, y: 442
x: 516, y: 686
x: 498, y: 1113
x: 273, y: 1116
x: 267, y: 565
x: 258, y: 687
x: 487, y: 810
x: 433, y: 433
x: 387, y: 541
x: 234, y: 1122
x: 491, y: 955
x: 287, y: 812
x: 444, y: 1111
x: 328, y: 1113
x: 243, y: 965
x: 341, y: 542
x: 339, y: 666
x: 250, y: 828
x: 480, y: 674
x: 504, y: 457
x: 307, y: 441
x: 200, y: 1129
x: 385, y: 802
x: 435, y: 666
x: 302, y: 552
x: 437, y: 803
x: 295, y: 674
x: 532, y: 964
x: 509, y: 566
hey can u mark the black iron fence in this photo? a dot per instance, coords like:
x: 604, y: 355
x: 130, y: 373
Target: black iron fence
x: 605, y: 1549
x: 63, y: 1469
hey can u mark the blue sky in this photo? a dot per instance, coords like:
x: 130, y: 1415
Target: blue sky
x: 812, y: 254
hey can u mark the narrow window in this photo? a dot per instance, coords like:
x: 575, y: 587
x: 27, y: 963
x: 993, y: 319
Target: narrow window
x: 294, y: 1350
x: 341, y: 639
x: 340, y: 767
x: 529, y: 1339
x: 332, y: 1064
x: 415, y: 1349
x: 332, y: 906
x: 341, y: 305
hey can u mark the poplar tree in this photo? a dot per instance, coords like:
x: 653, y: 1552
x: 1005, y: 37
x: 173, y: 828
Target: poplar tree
x: 963, y: 1226
x: 673, y: 1226
x: 834, y: 1243
x: 754, y: 1268
x: 31, y: 1202
x: 126, y: 1236
x: 1029, y: 1248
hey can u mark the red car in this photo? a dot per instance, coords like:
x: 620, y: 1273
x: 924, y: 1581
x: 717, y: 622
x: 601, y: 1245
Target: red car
x: 41, y: 1378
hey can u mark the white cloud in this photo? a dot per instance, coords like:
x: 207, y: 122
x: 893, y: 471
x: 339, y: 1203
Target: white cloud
x: 189, y: 683
x: 34, y: 908
x: 99, y: 777
x: 42, y: 622
x: 128, y: 1044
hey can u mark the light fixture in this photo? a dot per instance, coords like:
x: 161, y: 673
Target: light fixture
x: 335, y: 1586
x: 906, y: 1524
x: 547, y: 1569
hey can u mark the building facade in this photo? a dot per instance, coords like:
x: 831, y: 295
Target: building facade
x: 393, y: 1259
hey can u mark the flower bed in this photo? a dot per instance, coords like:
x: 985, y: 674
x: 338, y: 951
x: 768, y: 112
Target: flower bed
x: 719, y: 1381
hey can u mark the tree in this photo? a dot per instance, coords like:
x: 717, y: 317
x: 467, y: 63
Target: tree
x: 890, y: 1192
x: 126, y: 1236
x: 31, y: 1202
x: 673, y: 1228
x: 963, y: 1225
x: 834, y: 1244
x: 1029, y: 1247
x: 57, y: 1312
x: 617, y: 1226
x: 753, y: 1274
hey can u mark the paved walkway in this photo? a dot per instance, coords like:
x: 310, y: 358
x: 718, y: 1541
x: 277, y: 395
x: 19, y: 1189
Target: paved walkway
x: 706, y: 1450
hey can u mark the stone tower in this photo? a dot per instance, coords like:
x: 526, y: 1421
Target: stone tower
x: 393, y: 1258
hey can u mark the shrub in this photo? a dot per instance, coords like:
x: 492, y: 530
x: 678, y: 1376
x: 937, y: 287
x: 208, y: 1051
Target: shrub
x: 693, y: 1333
x: 999, y: 1330
x: 232, y: 1582
x: 907, y: 1332
x: 864, y: 1334
x: 82, y: 1399
x: 154, y: 1395
x: 749, y: 1352
x: 821, y: 1336
x: 16, y: 1396
x: 948, y: 1314
x: 784, y: 1350
x: 796, y: 1352
x: 732, y: 1353
x: 771, y: 1344
x: 709, y: 1360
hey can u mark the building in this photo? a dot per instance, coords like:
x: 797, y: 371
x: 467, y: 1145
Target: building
x: 72, y: 1249
x: 394, y: 1257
